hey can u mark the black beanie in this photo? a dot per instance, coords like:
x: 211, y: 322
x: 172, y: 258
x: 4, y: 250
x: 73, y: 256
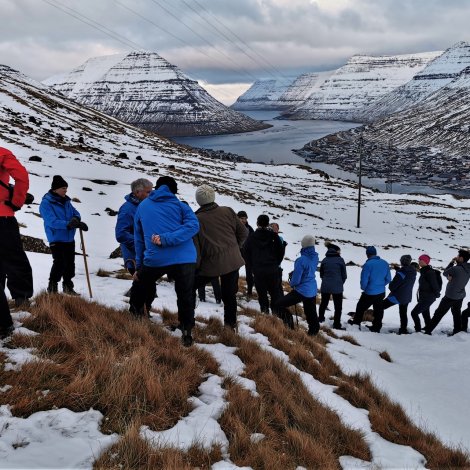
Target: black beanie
x: 167, y: 181
x: 58, y: 182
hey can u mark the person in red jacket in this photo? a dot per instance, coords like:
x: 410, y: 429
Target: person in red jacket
x: 13, y: 260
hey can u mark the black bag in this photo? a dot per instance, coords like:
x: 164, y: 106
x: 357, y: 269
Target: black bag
x: 438, y: 279
x: 29, y: 197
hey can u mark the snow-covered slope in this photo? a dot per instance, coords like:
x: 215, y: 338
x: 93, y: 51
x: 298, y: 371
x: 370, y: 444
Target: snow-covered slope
x: 437, y: 74
x: 361, y: 80
x: 84, y: 145
x: 145, y: 90
x: 262, y: 95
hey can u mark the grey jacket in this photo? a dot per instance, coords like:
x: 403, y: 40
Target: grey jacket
x: 460, y: 275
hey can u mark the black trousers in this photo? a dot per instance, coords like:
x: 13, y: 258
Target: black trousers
x: 183, y: 275
x: 446, y: 304
x: 63, y: 262
x: 249, y: 278
x: 338, y: 303
x: 310, y: 310
x: 403, y: 310
x: 365, y: 301
x: 15, y: 266
x: 465, y: 315
x: 422, y: 307
x: 268, y: 282
x: 15, y: 270
x: 229, y: 289
x: 215, y: 282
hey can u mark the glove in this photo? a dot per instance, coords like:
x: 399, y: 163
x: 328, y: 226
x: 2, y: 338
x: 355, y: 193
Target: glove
x: 83, y: 226
x: 10, y: 204
x: 73, y: 223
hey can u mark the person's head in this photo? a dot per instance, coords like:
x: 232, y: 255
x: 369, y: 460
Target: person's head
x: 274, y: 227
x: 307, y: 241
x: 141, y: 188
x: 424, y: 260
x: 463, y: 256
x: 169, y: 182
x: 371, y: 251
x: 332, y: 246
x: 243, y: 216
x: 405, y: 260
x: 205, y: 194
x: 59, y: 185
x: 415, y: 265
x: 262, y: 221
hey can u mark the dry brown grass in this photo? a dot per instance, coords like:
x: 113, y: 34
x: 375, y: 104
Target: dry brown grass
x: 385, y: 356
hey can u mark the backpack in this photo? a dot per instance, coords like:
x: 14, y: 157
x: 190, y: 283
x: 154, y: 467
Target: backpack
x: 438, y: 279
x: 29, y: 197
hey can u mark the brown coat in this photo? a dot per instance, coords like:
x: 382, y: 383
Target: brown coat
x: 221, y: 234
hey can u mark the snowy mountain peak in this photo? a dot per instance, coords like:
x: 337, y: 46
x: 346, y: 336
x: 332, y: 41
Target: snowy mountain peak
x: 263, y: 94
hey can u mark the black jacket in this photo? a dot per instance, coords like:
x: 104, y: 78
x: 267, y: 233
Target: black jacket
x: 264, y: 250
x: 428, y: 286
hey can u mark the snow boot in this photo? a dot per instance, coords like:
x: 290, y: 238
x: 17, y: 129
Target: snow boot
x: 52, y: 287
x: 68, y: 289
x: 187, y: 339
x: 6, y: 331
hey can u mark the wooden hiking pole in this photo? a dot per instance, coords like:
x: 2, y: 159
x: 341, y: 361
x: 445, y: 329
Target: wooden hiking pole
x: 82, y: 242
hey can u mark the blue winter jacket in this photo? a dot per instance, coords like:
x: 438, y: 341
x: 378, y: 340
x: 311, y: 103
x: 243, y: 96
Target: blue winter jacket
x: 303, y: 278
x: 401, y: 287
x: 375, y: 276
x: 125, y: 228
x: 332, y: 273
x: 57, y: 212
x: 162, y: 213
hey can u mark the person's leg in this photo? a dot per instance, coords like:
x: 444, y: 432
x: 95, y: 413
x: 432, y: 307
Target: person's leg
x: 201, y: 293
x: 378, y: 306
x: 139, y: 292
x: 261, y: 284
x: 403, y: 308
x: 310, y: 310
x: 457, y: 316
x: 5, y: 316
x: 338, y: 303
x: 58, y: 264
x: 442, y: 309
x: 465, y: 315
x: 183, y: 274
x: 215, y: 281
x: 281, y: 307
x: 69, y: 267
x: 325, y: 300
x: 249, y: 279
x: 365, y: 301
x: 272, y: 282
x: 229, y: 288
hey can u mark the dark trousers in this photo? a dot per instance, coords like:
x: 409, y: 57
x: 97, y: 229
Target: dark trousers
x: 15, y: 266
x: 365, y: 301
x: 310, y: 310
x: 465, y: 315
x: 338, y: 303
x: 422, y: 307
x: 229, y: 289
x: 249, y: 278
x: 63, y: 262
x: 215, y: 282
x: 15, y: 270
x: 403, y: 310
x: 267, y: 282
x: 183, y: 275
x: 455, y: 307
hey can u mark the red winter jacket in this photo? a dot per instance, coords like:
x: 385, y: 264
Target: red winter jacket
x: 10, y: 166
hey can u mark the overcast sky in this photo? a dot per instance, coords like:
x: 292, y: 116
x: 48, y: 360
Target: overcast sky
x: 225, y: 43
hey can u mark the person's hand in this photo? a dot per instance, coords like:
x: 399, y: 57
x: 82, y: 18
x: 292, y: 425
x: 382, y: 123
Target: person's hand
x: 83, y: 226
x: 74, y: 222
x: 156, y: 240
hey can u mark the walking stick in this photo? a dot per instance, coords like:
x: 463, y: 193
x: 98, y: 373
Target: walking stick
x: 82, y: 242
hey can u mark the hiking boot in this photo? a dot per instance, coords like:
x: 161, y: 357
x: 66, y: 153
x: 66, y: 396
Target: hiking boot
x: 68, y: 289
x: 372, y: 329
x: 52, y: 287
x: 6, y: 331
x: 22, y: 302
x: 403, y: 331
x: 231, y: 326
x: 338, y: 327
x: 312, y: 332
x: 187, y: 339
x: 321, y: 319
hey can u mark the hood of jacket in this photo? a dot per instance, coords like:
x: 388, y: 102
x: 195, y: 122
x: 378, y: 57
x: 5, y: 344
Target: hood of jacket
x: 162, y: 194
x: 332, y: 253
x: 54, y: 197
x: 309, y: 252
x: 207, y: 208
x: 132, y: 199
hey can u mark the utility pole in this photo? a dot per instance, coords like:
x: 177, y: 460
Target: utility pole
x: 359, y: 186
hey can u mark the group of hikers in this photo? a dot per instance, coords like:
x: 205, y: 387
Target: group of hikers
x: 160, y: 234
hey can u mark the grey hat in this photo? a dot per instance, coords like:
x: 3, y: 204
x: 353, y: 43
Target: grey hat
x: 308, y: 240
x: 205, y: 195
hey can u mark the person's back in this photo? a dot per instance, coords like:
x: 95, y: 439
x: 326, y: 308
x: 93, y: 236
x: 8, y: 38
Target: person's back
x: 375, y: 275
x: 401, y: 287
x: 303, y: 278
x: 428, y: 288
x: 332, y: 272
x: 265, y: 250
x: 458, y: 275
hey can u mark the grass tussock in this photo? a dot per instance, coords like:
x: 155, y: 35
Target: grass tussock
x: 385, y: 356
x: 93, y: 356
x: 350, y: 339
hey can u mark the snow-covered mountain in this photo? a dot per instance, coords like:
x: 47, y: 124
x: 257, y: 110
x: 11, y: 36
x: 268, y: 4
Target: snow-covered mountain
x: 361, y: 80
x: 437, y: 74
x: 262, y: 95
x: 145, y: 90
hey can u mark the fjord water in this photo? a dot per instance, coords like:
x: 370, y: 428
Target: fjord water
x: 275, y: 145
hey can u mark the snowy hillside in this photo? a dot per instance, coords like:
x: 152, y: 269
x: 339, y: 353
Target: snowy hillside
x: 86, y: 147
x: 361, y: 80
x: 262, y: 95
x: 143, y: 89
x: 437, y: 74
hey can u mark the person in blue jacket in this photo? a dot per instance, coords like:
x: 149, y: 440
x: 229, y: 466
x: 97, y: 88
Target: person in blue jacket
x: 61, y: 221
x: 304, y: 287
x: 401, y: 294
x: 164, y: 228
x: 333, y: 276
x: 375, y: 276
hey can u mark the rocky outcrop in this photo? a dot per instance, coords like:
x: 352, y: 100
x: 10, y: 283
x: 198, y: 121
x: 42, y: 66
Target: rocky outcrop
x: 262, y: 95
x: 145, y: 90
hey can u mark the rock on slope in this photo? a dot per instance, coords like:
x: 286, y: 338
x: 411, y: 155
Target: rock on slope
x: 143, y: 89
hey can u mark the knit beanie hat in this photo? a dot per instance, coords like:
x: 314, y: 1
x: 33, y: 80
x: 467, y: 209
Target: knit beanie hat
x: 205, y: 195
x: 371, y: 251
x: 425, y: 258
x: 405, y: 260
x: 167, y: 181
x: 58, y: 182
x: 308, y: 240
